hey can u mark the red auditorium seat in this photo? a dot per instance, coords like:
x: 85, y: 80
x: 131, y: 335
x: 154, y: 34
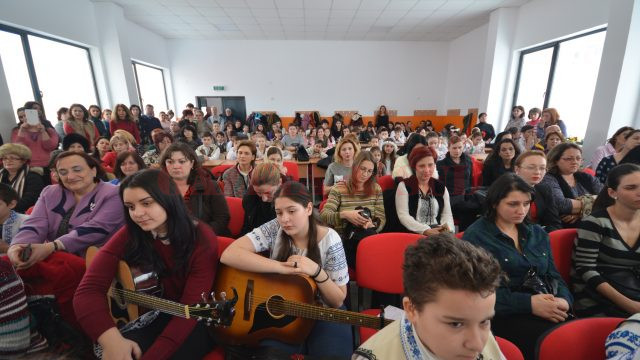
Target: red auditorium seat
x: 509, y: 349
x: 577, y: 340
x: 562, y: 242
x: 292, y: 170
x: 223, y: 242
x: 217, y: 171
x: 386, y: 182
x: 237, y: 215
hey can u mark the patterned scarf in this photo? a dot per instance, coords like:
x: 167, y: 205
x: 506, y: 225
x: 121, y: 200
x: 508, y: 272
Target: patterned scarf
x: 18, y: 181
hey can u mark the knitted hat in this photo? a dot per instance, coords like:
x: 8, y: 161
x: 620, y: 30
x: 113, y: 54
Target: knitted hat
x: 390, y: 142
x: 74, y: 138
x: 16, y: 149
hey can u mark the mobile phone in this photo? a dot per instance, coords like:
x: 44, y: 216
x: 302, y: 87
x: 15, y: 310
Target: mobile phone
x: 26, y: 253
x: 32, y: 117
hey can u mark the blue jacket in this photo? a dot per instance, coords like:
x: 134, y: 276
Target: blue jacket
x: 536, y: 251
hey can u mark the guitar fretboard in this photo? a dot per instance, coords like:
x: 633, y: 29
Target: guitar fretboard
x: 151, y: 302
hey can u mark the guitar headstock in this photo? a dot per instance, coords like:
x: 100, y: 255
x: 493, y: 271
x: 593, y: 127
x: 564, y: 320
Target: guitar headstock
x: 215, y: 312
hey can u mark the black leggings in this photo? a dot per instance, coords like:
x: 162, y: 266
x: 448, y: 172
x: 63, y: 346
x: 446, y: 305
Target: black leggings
x: 523, y: 330
x: 198, y: 344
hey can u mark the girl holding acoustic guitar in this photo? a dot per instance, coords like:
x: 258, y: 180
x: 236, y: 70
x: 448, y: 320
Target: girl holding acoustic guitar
x: 182, y: 251
x: 299, y: 245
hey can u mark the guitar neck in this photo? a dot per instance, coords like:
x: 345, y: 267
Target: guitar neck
x: 151, y: 302
x: 314, y: 312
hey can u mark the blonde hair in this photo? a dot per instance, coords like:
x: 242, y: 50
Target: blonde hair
x: 527, y: 154
x: 126, y: 135
x: 351, y: 139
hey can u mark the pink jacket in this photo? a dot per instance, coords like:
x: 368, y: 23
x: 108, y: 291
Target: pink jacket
x: 40, y: 149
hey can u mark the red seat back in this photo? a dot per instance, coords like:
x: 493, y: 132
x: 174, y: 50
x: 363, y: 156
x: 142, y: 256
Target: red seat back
x: 217, y: 171
x: 460, y: 234
x: 577, y: 340
x: 29, y: 210
x: 562, y: 242
x: 379, y: 261
x: 321, y: 206
x: 589, y: 171
x: 476, y: 172
x: 386, y: 182
x: 292, y: 170
x: 509, y: 349
x: 237, y: 215
x: 223, y: 242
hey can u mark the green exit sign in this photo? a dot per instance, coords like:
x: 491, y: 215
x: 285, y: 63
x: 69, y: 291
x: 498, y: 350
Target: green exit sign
x: 218, y: 87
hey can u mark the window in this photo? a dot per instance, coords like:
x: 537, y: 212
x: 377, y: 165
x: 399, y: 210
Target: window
x: 52, y: 72
x: 562, y: 75
x: 151, y: 89
x: 15, y: 69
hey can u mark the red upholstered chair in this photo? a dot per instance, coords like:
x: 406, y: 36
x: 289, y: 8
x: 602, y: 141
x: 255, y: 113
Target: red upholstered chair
x: 237, y: 215
x: 577, y: 340
x: 223, y: 242
x: 459, y: 235
x: 562, y: 242
x: 217, y: 171
x: 476, y: 172
x: 321, y: 206
x: 384, y: 276
x: 386, y: 182
x: 29, y: 211
x: 509, y: 349
x: 292, y: 170
x: 589, y: 171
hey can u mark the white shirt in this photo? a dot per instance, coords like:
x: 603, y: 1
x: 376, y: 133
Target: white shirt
x: 411, y: 223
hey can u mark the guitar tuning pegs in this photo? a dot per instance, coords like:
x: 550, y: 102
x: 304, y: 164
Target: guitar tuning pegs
x: 223, y: 296
x: 213, y: 296
x: 204, y: 296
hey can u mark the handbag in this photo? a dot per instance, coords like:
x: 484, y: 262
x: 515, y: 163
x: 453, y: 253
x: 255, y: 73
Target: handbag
x: 535, y: 284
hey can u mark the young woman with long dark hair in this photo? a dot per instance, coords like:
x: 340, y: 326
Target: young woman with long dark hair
x: 160, y: 236
x: 299, y: 245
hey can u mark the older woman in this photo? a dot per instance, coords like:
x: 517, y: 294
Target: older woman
x: 236, y: 179
x: 80, y: 212
x: 607, y: 254
x: 567, y: 183
x: 422, y: 202
x: 523, y: 312
x: 201, y: 194
x: 339, y: 170
x: 348, y: 200
x: 16, y: 173
x: 161, y: 141
x: 78, y: 122
x: 531, y: 166
x: 41, y: 139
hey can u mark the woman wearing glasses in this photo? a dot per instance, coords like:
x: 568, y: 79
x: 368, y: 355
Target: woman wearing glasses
x: 568, y: 185
x: 348, y: 199
x: 531, y: 166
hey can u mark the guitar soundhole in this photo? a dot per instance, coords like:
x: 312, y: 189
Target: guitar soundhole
x: 275, y: 306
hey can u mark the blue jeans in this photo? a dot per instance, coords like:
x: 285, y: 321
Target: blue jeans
x: 326, y: 339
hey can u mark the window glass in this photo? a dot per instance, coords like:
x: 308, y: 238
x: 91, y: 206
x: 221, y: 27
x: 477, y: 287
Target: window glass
x: 151, y: 90
x: 15, y: 69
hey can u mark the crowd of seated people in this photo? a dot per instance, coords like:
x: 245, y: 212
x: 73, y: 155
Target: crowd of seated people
x: 137, y: 186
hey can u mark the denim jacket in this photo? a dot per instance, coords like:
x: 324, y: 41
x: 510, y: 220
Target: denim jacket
x: 536, y: 251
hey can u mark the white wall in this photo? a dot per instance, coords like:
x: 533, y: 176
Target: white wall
x: 313, y: 75
x: 464, y: 75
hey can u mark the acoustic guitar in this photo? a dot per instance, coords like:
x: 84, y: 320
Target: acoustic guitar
x: 133, y: 292
x: 281, y: 307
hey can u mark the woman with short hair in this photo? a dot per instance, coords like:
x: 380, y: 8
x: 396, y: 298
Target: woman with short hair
x: 236, y: 179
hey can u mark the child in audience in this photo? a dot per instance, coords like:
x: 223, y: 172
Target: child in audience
x: 331, y: 141
x: 377, y: 156
x: 316, y: 152
x: 450, y: 295
x: 286, y: 154
x: 208, y: 150
x: 477, y: 145
x: 383, y: 134
x: 466, y: 143
x: 274, y: 156
x: 261, y: 145
x: 374, y: 142
x: 221, y: 143
x: 398, y: 135
x: 231, y: 145
x: 388, y: 156
x: 10, y: 221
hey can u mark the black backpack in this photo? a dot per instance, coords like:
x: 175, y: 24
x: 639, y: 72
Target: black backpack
x: 301, y: 153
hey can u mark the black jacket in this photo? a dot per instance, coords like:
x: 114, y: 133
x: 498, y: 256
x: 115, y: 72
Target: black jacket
x: 207, y: 202
x: 456, y: 177
x: 547, y: 214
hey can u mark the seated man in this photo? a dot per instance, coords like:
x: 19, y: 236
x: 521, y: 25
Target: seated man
x: 450, y: 297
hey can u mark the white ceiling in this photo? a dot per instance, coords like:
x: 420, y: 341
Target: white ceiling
x: 417, y: 20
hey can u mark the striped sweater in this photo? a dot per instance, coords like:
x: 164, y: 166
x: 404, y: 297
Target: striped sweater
x: 598, y: 247
x: 340, y: 200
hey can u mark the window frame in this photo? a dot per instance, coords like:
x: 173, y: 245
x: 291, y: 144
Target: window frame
x: 134, y: 63
x: 24, y: 36
x: 554, y: 59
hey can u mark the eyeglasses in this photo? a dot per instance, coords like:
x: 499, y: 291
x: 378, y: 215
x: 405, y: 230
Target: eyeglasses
x: 366, y: 171
x: 571, y: 159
